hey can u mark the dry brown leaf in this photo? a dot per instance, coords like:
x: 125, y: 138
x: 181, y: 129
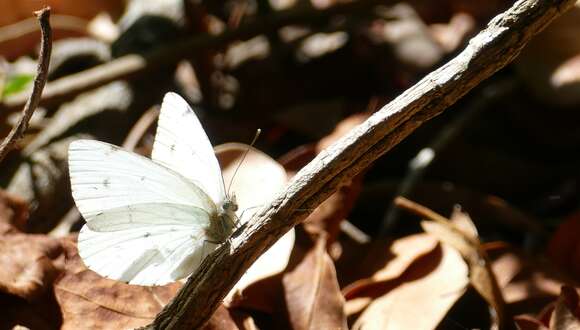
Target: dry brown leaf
x: 506, y: 267
x: 462, y: 222
x: 264, y: 296
x: 221, y: 320
x: 563, y: 314
x: 461, y: 234
x: 230, y: 319
x: 13, y: 213
x: 394, y: 261
x: 69, y: 19
x: 257, y: 180
x: 480, y: 273
x: 424, y: 299
x: 29, y: 264
x: 526, y: 322
x: 450, y: 36
x: 89, y: 301
x: 524, y: 280
x: 312, y: 293
x: 566, y: 315
x: 343, y: 127
x: 328, y: 215
x: 408, y: 36
x: 567, y: 73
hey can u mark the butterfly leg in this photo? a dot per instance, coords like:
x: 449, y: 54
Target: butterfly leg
x: 242, y: 215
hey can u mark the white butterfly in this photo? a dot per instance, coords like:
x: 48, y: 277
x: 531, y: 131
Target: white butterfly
x: 151, y: 222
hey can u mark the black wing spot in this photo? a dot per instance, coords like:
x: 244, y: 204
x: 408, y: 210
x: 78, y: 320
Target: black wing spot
x: 172, y: 148
x: 142, y: 178
x: 147, y: 235
x: 111, y: 150
x: 106, y: 183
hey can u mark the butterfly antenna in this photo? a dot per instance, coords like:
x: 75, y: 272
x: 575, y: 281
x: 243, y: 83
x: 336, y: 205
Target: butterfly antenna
x: 258, y: 131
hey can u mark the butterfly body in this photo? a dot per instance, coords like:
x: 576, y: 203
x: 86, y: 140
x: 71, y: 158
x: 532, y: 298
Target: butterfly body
x: 222, y: 223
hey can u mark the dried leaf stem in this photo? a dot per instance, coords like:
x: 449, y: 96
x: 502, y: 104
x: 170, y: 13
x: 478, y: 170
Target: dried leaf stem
x: 489, y: 51
x: 17, y: 131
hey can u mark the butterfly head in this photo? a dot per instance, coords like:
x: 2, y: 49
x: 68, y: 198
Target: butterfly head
x: 229, y: 205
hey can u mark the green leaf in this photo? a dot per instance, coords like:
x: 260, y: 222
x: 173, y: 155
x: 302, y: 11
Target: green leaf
x: 16, y: 84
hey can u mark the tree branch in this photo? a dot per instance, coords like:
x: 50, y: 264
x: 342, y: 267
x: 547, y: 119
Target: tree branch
x: 486, y: 53
x: 17, y: 131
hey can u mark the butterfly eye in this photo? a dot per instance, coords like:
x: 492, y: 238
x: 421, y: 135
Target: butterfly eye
x: 230, y: 205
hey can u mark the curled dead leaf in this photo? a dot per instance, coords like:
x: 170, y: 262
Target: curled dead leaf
x: 526, y: 322
x: 566, y: 315
x: 450, y: 36
x: 423, y: 296
x: 89, y: 301
x: 461, y: 234
x: 343, y: 127
x: 69, y: 19
x: 29, y: 264
x: 256, y: 182
x: 13, y: 213
x: 312, y: 294
x: 390, y: 263
x: 527, y: 282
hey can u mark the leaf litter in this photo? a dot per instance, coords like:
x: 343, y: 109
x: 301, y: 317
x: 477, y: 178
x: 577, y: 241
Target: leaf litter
x: 510, y: 255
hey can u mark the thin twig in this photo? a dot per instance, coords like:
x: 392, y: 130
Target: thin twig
x: 488, y: 52
x: 17, y: 131
x: 419, y: 210
x: 132, y: 66
x: 140, y: 128
x: 22, y: 28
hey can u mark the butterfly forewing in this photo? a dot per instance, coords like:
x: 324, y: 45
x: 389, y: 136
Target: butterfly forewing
x: 105, y: 177
x: 182, y: 145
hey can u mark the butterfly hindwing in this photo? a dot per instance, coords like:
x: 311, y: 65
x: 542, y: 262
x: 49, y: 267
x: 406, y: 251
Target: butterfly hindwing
x: 146, y: 252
